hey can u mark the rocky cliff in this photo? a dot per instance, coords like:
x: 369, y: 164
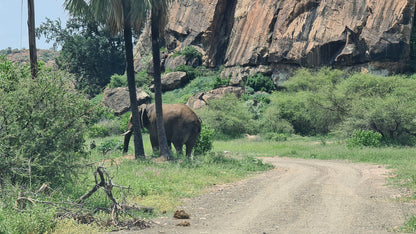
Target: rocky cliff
x: 309, y: 33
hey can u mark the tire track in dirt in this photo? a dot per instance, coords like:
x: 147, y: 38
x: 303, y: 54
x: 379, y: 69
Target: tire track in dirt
x: 298, y: 196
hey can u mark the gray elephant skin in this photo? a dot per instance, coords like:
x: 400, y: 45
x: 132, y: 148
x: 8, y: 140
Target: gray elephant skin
x: 182, y: 126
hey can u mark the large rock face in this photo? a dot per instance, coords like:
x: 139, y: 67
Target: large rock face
x: 309, y: 33
x: 118, y: 99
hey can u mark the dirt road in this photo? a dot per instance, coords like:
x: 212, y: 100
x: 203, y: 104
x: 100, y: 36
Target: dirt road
x: 298, y: 196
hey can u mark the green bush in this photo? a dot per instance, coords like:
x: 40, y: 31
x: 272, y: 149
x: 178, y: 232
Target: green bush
x: 142, y: 80
x: 274, y: 136
x: 191, y: 72
x: 191, y: 53
x: 259, y: 82
x: 364, y: 138
x: 36, y: 219
x: 98, y: 130
x: 228, y: 116
x: 117, y: 80
x: 204, y: 142
x: 314, y: 81
x: 43, y: 122
x: 381, y: 104
x: 109, y: 145
x: 219, y: 82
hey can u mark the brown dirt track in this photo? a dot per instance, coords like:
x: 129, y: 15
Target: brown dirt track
x: 298, y: 196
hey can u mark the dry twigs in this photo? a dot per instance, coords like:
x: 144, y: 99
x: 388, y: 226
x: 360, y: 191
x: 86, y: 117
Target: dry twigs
x: 105, y: 182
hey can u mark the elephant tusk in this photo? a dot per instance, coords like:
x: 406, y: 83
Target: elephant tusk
x: 129, y: 131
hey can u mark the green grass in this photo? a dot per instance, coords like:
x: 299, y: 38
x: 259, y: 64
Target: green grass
x: 401, y: 159
x: 164, y: 185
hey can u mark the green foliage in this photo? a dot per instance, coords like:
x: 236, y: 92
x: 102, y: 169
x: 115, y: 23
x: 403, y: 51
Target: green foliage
x: 329, y: 100
x: 221, y: 82
x: 364, y: 138
x: 199, y: 84
x: 98, y: 130
x: 10, y: 73
x: 36, y: 219
x: 117, y: 80
x: 42, y: 127
x: 308, y: 80
x: 88, y: 50
x: 190, y: 53
x: 274, y: 136
x: 204, y: 142
x: 259, y: 82
x: 191, y: 72
x: 141, y: 78
x: 109, y: 145
x: 381, y: 104
x: 228, y: 116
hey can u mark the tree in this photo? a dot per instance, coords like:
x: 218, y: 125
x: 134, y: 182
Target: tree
x: 120, y: 16
x: 32, y: 38
x: 88, y: 50
x: 158, y: 20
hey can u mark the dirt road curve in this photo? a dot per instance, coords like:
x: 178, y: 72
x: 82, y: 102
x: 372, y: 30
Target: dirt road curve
x: 299, y: 196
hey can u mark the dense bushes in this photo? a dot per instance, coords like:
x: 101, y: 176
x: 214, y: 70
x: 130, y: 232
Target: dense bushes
x: 228, y: 116
x: 42, y: 126
x: 329, y: 100
x: 319, y: 103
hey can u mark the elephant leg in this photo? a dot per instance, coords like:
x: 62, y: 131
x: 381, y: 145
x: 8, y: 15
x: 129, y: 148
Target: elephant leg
x: 178, y: 148
x: 190, y: 145
x: 155, y: 143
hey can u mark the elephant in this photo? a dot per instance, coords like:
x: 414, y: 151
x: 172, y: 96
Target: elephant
x: 182, y: 126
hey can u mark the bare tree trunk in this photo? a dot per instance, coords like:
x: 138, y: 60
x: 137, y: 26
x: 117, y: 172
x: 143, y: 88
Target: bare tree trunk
x: 155, y: 25
x: 32, y: 38
x: 138, y: 141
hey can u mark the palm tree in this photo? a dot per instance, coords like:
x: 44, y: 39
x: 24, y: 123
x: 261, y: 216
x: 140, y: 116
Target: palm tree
x: 158, y: 21
x: 124, y: 15
x: 120, y: 15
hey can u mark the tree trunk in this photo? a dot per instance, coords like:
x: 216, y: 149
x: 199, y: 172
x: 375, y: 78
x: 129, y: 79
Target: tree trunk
x: 138, y: 141
x: 32, y: 39
x: 155, y: 24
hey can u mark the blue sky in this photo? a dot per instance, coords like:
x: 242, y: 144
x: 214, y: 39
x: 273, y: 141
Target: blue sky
x: 13, y: 21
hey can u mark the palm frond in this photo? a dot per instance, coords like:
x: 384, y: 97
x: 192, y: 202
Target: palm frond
x: 76, y: 7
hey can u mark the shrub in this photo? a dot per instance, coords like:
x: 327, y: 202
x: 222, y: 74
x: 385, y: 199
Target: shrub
x: 109, y: 145
x: 36, y: 219
x: 274, y: 136
x: 364, y: 138
x: 98, y: 130
x: 259, y: 82
x: 308, y: 80
x: 191, y: 53
x: 219, y: 82
x: 142, y: 80
x: 382, y: 104
x: 42, y: 126
x: 204, y: 142
x: 191, y: 73
x: 228, y: 116
x: 289, y: 110
x: 117, y: 80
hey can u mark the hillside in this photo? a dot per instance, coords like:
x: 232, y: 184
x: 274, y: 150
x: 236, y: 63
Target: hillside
x: 22, y: 56
x: 286, y: 34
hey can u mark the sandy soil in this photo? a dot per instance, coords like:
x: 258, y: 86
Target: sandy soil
x: 298, y: 196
